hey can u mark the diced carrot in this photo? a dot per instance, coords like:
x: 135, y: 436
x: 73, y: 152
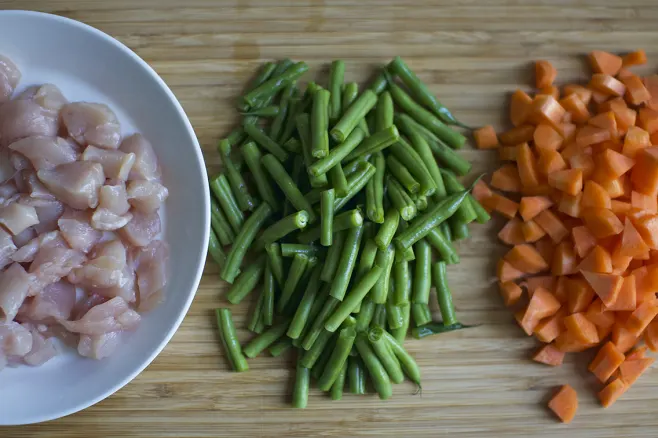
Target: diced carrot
x: 517, y: 135
x: 589, y: 135
x: 526, y: 258
x: 576, y: 107
x: 506, y: 178
x: 624, y: 73
x: 584, y: 162
x: 547, y: 137
x: 604, y: 62
x: 564, y: 404
x: 647, y: 119
x: 570, y: 205
x: 583, y: 240
x: 598, y: 260
x: 527, y: 166
x: 561, y: 289
x: 641, y: 317
x: 481, y: 191
x: 580, y: 295
x: 570, y: 149
x: 607, y: 85
x: 506, y: 272
x: 595, y: 196
x: 550, y: 161
x: 606, y: 362
x: 646, y: 283
x: 631, y: 370
x: 552, y: 225
x: 544, y: 281
x: 638, y: 57
x: 605, y: 120
x: 626, y: 298
x: 568, y: 343
x: 569, y: 181
x: 507, y: 153
x: 552, y: 91
x: 531, y: 231
x: 613, y: 186
x: 636, y: 139
x: 546, y: 248
x: 511, y: 292
x: 637, y: 353
x: 644, y: 174
x: 542, y: 305
x: 615, y: 163
x: 540, y: 190
x: 632, y: 244
x: 583, y: 93
x: 653, y: 256
x: 636, y: 92
x: 520, y: 107
x: 624, y: 115
x: 647, y: 226
x: 550, y: 328
x: 601, y: 222
x: 581, y: 328
x: 606, y: 286
x: 546, y: 109
x: 503, y: 205
x: 564, y: 261
x: 622, y: 337
x: 531, y: 206
x: 567, y: 130
x: 645, y: 203
x: 599, y: 98
x: 545, y: 74
x: 651, y: 336
x: 486, y: 138
x: 512, y: 232
x: 653, y: 138
x: 651, y: 82
x: 599, y: 314
x: 611, y: 392
x: 549, y: 355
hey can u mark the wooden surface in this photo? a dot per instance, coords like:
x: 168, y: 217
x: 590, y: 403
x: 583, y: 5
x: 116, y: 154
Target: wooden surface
x: 476, y: 383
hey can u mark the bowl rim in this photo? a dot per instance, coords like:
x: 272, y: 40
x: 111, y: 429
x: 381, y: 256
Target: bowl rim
x: 38, y: 418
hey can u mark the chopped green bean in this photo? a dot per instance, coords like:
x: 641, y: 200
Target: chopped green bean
x: 295, y: 273
x: 400, y: 200
x: 365, y: 315
x: 320, y: 124
x: 272, y: 86
x: 379, y: 84
x: 444, y: 227
x: 336, y: 78
x: 384, y: 111
x: 436, y: 328
x: 385, y: 355
x: 280, y: 347
x: 327, y: 217
x: 277, y: 125
x: 423, y: 273
x: 350, y: 93
x: 385, y: 260
x: 312, y: 354
x: 356, y: 182
x: 302, y: 385
x: 270, y: 111
x: 338, y: 357
x: 273, y: 251
x: 356, y: 375
x: 375, y: 191
x: 220, y: 224
x: 260, y: 137
x: 421, y: 313
x: 318, y: 324
x: 338, y: 180
x: 347, y: 262
x: 400, y: 333
x: 246, y: 281
x: 236, y: 137
x: 283, y: 227
x: 409, y: 365
x: 444, y: 247
x: 333, y: 257
x: 215, y: 250
x: 252, y: 157
x: 357, y: 111
x: 304, y: 129
x: 378, y: 141
x: 394, y: 314
x: 337, y: 153
x: 465, y: 213
x: 402, y: 174
x: 378, y: 374
x: 256, y: 324
x: 402, y: 283
x: 235, y: 179
x: 414, y: 164
x: 379, y: 318
x: 230, y: 340
x: 222, y: 191
x: 443, y: 294
x: 339, y: 383
x: 387, y: 231
x: 287, y: 185
x: 269, y: 290
x: 344, y: 221
x: 265, y: 339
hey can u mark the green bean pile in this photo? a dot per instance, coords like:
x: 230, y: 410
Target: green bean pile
x: 332, y: 201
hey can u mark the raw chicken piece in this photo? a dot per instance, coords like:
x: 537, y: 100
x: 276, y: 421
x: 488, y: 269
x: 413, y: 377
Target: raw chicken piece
x: 146, y: 196
x: 52, y: 263
x: 99, y: 347
x: 75, y: 184
x: 45, y: 152
x: 7, y: 191
x: 18, y: 161
x: 54, y: 302
x: 7, y: 248
x: 152, y: 268
x: 24, y: 237
x: 142, y: 229
x: 124, y: 289
x: 42, y: 349
x: 114, y: 198
x: 35, y: 188
x: 9, y: 77
x: 77, y: 230
x: 15, y: 340
x: 17, y: 217
x: 116, y: 164
x: 92, y: 123
x: 104, y: 219
x: 25, y: 118
x: 14, y: 288
x: 111, y: 316
x: 146, y: 162
x: 85, y: 304
x: 27, y: 251
x: 48, y: 96
x: 48, y: 214
x: 104, y: 268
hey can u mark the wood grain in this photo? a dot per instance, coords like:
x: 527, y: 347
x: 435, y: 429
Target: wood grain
x: 477, y: 382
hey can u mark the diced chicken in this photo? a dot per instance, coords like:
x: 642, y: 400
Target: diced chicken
x: 7, y: 248
x: 76, y: 184
x: 99, y: 347
x: 111, y: 316
x: 54, y: 302
x: 76, y: 228
x: 9, y: 77
x: 18, y: 161
x: 114, y: 198
x: 48, y: 214
x: 49, y: 96
x: 15, y: 340
x: 152, y: 272
x: 14, y: 288
x: 104, y: 268
x: 35, y: 188
x: 146, y: 196
x: 52, y: 263
x: 92, y: 123
x: 42, y: 349
x: 116, y: 164
x: 24, y: 237
x: 124, y: 289
x: 26, y: 118
x: 142, y: 229
x: 45, y: 152
x: 27, y: 251
x: 17, y: 217
x: 106, y: 220
x: 85, y: 304
x: 146, y: 162
x: 7, y: 190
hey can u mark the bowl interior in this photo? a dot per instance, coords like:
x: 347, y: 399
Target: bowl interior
x: 88, y: 65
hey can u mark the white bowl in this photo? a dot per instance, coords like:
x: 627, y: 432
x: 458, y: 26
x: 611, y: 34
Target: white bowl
x: 89, y: 65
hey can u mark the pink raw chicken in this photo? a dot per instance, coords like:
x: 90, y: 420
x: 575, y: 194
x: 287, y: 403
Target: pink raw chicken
x: 92, y: 123
x: 14, y: 288
x: 26, y: 118
x: 42, y: 349
x: 142, y: 229
x: 7, y: 248
x: 38, y: 192
x: 17, y: 217
x: 114, y: 198
x: 52, y: 263
x: 104, y: 268
x: 152, y: 266
x: 24, y: 237
x: 15, y: 340
x: 45, y: 152
x: 116, y: 164
x: 48, y: 213
x: 28, y: 250
x: 48, y: 96
x: 76, y: 228
x: 146, y: 196
x: 99, y: 346
x: 76, y: 184
x: 146, y: 162
x: 9, y: 77
x: 111, y: 316
x: 53, y: 303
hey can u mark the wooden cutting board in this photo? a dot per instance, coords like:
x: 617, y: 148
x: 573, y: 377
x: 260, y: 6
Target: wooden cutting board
x: 473, y: 53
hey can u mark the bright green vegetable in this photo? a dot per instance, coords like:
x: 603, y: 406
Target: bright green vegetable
x: 265, y: 339
x: 252, y: 157
x: 378, y: 374
x: 295, y: 273
x: 222, y: 191
x: 347, y: 262
x: 357, y: 111
x: 287, y: 185
x: 246, y: 281
x: 230, y: 340
x: 320, y: 124
x: 327, y: 217
x: 443, y: 294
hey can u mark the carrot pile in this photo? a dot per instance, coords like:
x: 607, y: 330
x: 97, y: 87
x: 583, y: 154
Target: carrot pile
x: 580, y: 187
